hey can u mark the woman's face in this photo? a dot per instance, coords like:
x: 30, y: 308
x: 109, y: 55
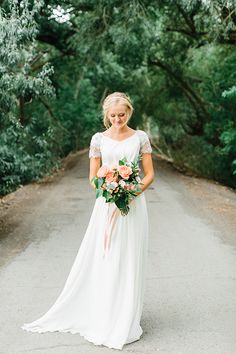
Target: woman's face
x: 118, y: 115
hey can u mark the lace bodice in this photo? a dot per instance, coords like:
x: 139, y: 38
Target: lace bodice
x: 111, y: 150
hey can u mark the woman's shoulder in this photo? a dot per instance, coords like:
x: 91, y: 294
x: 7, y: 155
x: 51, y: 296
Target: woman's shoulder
x: 96, y: 135
x: 96, y: 138
x: 144, y: 142
x: 142, y: 133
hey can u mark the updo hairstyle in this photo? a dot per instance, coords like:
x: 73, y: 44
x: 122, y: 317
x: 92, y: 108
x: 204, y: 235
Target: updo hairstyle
x: 111, y: 100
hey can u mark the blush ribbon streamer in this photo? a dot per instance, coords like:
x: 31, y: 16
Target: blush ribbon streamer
x: 112, y: 215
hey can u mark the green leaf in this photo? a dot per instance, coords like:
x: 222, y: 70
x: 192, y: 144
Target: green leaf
x: 99, y: 193
x: 100, y: 182
x: 96, y: 182
x: 107, y: 195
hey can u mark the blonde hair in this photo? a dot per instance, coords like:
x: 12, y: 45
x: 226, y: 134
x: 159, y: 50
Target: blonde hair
x: 112, y: 99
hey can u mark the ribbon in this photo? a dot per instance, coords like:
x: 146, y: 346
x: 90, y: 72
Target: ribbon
x: 112, y: 215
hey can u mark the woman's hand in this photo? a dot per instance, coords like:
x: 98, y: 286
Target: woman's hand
x: 95, y: 163
x: 134, y: 197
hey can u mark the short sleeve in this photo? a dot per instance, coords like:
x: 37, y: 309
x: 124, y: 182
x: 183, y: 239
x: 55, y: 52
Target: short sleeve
x: 145, y: 145
x: 94, y: 149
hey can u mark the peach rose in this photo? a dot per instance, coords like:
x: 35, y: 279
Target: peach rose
x: 130, y: 187
x: 110, y: 177
x: 122, y: 183
x: 102, y: 172
x: 114, y: 184
x: 125, y: 171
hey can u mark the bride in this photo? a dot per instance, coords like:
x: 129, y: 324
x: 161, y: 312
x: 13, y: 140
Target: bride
x: 102, y: 299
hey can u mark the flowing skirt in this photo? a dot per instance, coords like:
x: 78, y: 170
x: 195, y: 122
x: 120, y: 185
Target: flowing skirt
x: 102, y: 298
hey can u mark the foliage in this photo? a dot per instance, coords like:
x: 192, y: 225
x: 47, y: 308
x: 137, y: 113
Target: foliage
x: 21, y: 83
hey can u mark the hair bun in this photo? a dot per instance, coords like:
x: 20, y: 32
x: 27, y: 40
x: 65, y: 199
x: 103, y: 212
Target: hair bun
x: 112, y: 99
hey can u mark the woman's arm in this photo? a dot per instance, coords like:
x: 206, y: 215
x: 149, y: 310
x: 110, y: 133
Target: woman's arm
x: 148, y: 171
x: 95, y: 163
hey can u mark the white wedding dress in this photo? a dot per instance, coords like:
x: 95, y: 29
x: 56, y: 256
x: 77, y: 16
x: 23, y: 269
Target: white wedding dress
x: 102, y: 298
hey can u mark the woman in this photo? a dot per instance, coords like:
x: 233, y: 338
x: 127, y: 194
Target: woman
x: 102, y: 298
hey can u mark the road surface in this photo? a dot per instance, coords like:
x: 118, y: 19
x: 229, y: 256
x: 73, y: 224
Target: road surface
x: 190, y: 301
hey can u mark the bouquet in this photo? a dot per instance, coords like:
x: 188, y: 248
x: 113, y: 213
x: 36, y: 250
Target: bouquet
x: 119, y: 184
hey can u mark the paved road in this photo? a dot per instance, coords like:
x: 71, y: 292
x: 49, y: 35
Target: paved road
x: 190, y: 303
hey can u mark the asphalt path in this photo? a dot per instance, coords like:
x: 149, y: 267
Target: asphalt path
x: 190, y: 300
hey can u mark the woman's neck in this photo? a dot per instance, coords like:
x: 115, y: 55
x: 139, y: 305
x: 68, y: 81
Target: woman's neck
x: 119, y: 131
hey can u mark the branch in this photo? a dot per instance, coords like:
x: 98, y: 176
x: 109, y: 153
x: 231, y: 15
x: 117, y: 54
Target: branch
x: 188, y: 21
x: 162, y: 154
x: 51, y: 114
x: 194, y: 35
x: 193, y: 97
